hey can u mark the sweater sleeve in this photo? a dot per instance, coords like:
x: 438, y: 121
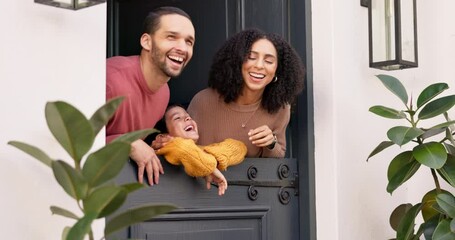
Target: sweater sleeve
x: 228, y: 152
x: 195, y: 161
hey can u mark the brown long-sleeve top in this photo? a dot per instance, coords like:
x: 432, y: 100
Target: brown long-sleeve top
x: 217, y: 120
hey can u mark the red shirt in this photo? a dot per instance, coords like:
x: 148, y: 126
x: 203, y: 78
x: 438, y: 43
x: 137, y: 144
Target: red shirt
x: 141, y: 107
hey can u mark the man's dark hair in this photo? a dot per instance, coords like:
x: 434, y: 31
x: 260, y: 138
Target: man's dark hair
x: 152, y: 21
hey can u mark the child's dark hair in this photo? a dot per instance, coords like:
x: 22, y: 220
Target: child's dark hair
x: 161, y: 124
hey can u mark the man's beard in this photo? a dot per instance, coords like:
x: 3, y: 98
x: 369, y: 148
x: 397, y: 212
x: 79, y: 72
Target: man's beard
x: 157, y: 55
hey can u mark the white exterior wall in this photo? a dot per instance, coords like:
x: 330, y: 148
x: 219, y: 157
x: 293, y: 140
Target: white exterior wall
x: 46, y: 54
x: 49, y: 54
x: 351, y: 198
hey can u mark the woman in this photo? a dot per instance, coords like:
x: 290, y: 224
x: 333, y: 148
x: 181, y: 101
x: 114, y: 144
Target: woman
x: 253, y: 80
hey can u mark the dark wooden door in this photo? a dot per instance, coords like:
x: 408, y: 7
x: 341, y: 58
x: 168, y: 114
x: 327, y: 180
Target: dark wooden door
x: 263, y: 200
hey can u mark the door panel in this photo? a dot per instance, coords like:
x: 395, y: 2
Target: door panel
x: 261, y: 202
x: 268, y: 15
x: 206, y: 224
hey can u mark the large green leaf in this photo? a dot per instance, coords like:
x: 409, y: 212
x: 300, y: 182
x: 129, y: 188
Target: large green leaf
x: 401, y: 135
x: 131, y: 187
x: 65, y: 232
x: 439, y: 209
x: 63, y: 212
x: 448, y: 170
x: 452, y: 225
x: 437, y: 107
x: 428, y: 201
x: 418, y: 233
x: 443, y: 232
x: 432, y: 154
x: 104, y: 197
x: 432, y: 132
x: 383, y: 145
x: 71, y: 181
x: 407, y: 224
x: 82, y: 227
x: 402, y: 175
x: 443, y: 125
x: 133, y: 136
x: 446, y: 201
x: 395, y: 86
x: 135, y: 215
x: 429, y: 226
x: 398, y: 214
x: 106, y: 163
x: 450, y: 148
x: 387, y: 112
x: 71, y: 128
x: 115, y: 204
x: 430, y: 92
x: 398, y: 162
x: 33, y: 151
x: 101, y: 117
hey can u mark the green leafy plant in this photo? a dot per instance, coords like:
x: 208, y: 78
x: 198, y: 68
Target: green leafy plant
x: 433, y: 148
x: 90, y: 184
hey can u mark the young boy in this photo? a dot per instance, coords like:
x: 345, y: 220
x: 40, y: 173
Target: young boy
x: 198, y: 161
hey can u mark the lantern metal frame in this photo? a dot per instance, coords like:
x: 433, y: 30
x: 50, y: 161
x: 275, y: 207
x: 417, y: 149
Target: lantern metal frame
x: 398, y: 62
x: 74, y: 5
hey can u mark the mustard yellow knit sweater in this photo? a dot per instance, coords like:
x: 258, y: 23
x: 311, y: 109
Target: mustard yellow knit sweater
x: 200, y: 161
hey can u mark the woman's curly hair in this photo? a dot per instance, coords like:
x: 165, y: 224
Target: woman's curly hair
x: 226, y: 71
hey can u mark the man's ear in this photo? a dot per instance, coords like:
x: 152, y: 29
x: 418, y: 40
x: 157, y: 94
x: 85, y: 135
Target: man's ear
x: 146, y: 41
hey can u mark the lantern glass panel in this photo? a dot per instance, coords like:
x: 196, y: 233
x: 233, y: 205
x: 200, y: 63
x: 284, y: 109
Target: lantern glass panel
x: 70, y: 4
x: 407, y: 30
x: 383, y: 30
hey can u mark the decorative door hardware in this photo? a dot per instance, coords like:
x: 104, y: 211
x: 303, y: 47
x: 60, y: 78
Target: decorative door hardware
x: 283, y: 171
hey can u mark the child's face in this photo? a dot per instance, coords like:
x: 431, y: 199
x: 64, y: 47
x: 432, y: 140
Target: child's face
x: 180, y: 124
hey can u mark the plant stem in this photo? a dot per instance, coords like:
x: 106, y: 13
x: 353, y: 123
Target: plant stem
x: 90, y: 235
x: 80, y: 206
x: 449, y: 136
x: 77, y: 166
x: 436, y: 181
x: 413, y: 122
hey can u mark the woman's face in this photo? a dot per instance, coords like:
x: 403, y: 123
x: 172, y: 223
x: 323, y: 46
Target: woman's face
x: 259, y: 68
x: 180, y: 124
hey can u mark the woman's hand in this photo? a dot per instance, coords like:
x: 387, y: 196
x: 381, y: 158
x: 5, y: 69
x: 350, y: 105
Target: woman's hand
x: 262, y: 136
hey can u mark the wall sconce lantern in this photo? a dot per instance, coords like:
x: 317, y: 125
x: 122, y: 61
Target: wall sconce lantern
x: 392, y: 30
x: 70, y: 4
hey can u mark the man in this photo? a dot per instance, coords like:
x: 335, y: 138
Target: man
x: 167, y: 47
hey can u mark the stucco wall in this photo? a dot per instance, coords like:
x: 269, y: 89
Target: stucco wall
x: 46, y: 54
x: 352, y: 202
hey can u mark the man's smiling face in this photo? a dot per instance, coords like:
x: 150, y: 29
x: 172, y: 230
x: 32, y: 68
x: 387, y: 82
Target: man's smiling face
x: 172, y: 44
